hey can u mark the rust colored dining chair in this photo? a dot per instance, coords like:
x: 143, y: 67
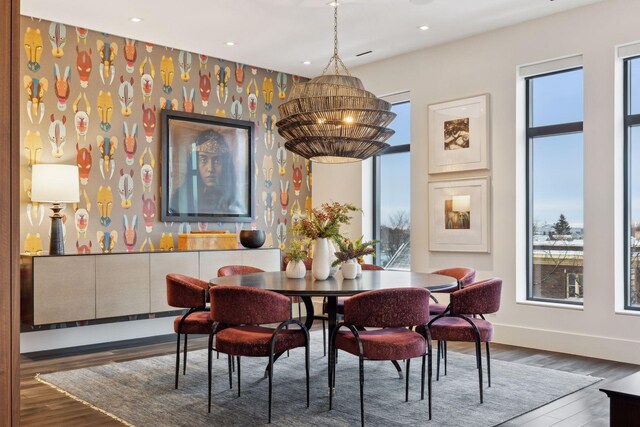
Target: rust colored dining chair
x: 456, y: 324
x: 465, y: 277
x: 188, y: 293
x: 233, y: 270
x: 394, y: 341
x: 238, y: 313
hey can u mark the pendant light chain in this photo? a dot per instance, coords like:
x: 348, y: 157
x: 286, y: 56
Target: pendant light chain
x: 337, y: 62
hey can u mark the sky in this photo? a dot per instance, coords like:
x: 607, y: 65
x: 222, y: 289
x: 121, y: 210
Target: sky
x: 395, y: 173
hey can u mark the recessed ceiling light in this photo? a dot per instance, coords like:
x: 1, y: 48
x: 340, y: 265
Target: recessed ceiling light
x: 306, y: 62
x: 136, y: 20
x: 230, y: 43
x: 333, y: 3
x: 423, y: 27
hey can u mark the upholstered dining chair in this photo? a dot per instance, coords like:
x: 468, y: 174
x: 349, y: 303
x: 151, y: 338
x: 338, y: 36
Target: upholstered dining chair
x: 456, y: 324
x: 465, y: 277
x: 188, y: 293
x: 238, y: 313
x: 394, y: 341
x: 233, y: 270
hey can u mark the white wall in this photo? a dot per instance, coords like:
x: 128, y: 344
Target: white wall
x: 488, y: 64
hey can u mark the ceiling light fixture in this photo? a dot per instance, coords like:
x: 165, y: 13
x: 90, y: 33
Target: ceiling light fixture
x: 230, y: 43
x: 333, y: 4
x: 306, y: 62
x: 332, y: 118
x: 423, y: 27
x: 136, y: 20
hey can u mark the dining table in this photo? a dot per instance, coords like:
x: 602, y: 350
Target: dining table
x: 335, y: 287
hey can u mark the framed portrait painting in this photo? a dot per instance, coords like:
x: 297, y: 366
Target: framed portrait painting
x: 207, y: 168
x: 459, y: 135
x: 459, y: 215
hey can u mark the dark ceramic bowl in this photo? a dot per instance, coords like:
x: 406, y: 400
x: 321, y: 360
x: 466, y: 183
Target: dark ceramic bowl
x: 252, y: 239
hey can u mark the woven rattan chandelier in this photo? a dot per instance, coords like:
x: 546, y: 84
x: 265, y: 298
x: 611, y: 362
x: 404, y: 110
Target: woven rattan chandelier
x: 332, y: 118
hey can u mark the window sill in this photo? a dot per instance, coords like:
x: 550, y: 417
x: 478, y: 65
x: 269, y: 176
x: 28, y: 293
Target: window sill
x: 552, y: 305
x: 624, y: 312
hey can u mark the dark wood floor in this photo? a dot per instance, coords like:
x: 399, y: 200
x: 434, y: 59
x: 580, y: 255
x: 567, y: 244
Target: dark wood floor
x: 42, y: 405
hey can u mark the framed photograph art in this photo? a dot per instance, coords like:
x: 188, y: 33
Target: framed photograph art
x: 459, y: 215
x: 459, y: 135
x: 207, y: 168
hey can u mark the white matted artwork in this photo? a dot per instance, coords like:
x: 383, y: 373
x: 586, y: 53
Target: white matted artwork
x: 459, y: 215
x: 459, y: 135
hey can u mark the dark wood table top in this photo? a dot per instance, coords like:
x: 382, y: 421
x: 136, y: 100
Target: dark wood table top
x: 627, y: 386
x: 277, y: 281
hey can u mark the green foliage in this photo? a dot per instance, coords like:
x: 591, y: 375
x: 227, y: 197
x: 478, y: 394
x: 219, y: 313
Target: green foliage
x: 297, y: 250
x: 353, y: 250
x: 325, y: 222
x: 562, y: 227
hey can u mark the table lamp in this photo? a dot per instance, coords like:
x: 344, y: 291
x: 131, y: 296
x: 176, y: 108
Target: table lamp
x: 55, y: 184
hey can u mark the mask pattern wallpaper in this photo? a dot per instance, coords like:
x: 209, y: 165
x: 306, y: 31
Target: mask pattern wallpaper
x: 94, y: 99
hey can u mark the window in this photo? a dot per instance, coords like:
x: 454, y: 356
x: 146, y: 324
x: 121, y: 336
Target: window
x: 392, y: 196
x: 632, y: 181
x: 555, y: 187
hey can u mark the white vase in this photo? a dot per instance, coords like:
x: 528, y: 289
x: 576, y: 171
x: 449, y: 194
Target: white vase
x: 350, y: 269
x: 359, y: 269
x: 295, y: 270
x: 320, y: 266
x: 332, y: 258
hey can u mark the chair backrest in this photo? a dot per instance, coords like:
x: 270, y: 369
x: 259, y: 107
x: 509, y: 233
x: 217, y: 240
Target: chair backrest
x: 482, y: 297
x: 464, y: 275
x: 371, y: 267
x: 186, y: 292
x: 307, y: 263
x: 392, y: 308
x: 238, y: 305
x: 233, y: 270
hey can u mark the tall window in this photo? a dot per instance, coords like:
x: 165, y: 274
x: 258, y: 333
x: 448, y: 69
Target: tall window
x: 392, y: 196
x: 632, y: 181
x: 555, y: 187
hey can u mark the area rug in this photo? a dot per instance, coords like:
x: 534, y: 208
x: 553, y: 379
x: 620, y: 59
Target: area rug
x: 141, y: 392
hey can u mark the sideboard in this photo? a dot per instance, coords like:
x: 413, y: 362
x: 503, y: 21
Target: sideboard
x: 90, y: 287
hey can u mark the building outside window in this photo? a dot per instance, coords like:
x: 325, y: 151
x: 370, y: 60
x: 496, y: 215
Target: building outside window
x: 632, y: 181
x: 392, y: 195
x: 555, y: 186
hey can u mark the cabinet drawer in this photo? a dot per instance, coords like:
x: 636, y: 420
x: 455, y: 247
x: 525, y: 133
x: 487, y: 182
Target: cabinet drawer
x: 122, y: 285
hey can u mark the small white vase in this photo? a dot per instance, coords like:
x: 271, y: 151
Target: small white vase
x: 359, y: 269
x: 332, y: 258
x: 320, y: 266
x: 295, y: 270
x: 350, y: 269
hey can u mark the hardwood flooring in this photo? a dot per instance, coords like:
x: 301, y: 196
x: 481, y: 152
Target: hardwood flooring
x: 43, y: 406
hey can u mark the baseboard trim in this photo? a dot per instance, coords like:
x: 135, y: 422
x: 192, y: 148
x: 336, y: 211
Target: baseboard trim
x: 599, y: 347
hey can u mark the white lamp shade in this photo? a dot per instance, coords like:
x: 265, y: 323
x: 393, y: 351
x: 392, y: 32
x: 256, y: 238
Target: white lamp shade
x: 55, y: 183
x: 461, y: 204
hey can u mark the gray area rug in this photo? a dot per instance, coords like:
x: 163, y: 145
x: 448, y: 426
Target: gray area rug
x: 141, y: 393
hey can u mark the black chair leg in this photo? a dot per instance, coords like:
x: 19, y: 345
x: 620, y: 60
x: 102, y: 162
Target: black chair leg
x: 438, y: 361
x: 306, y: 368
x: 430, y: 374
x: 479, y: 360
x: 229, y: 358
x: 270, y: 383
x: 238, y: 376
x: 361, y: 390
x: 488, y: 364
x: 406, y: 389
x: 444, y: 350
x: 299, y: 311
x: 177, y: 361
x: 184, y: 359
x: 422, y: 378
x: 332, y: 377
x: 209, y: 350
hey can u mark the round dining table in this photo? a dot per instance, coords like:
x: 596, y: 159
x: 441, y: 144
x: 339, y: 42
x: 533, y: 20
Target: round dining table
x: 335, y: 287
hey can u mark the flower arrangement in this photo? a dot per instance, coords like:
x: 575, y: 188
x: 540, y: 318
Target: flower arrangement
x: 297, y: 251
x: 325, y: 222
x: 350, y: 250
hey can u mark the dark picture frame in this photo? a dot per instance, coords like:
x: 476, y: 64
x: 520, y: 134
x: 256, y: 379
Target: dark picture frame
x: 207, y: 168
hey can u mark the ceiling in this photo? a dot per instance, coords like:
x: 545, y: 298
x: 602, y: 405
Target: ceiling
x: 281, y: 34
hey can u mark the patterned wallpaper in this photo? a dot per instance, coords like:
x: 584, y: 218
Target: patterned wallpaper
x: 94, y: 99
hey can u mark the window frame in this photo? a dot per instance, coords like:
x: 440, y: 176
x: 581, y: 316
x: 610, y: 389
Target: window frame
x: 630, y: 120
x: 377, y: 167
x: 533, y: 132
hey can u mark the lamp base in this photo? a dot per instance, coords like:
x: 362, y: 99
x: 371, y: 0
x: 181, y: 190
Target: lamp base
x: 56, y: 242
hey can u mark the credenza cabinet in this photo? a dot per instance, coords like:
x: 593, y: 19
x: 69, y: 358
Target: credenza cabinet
x: 69, y: 288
